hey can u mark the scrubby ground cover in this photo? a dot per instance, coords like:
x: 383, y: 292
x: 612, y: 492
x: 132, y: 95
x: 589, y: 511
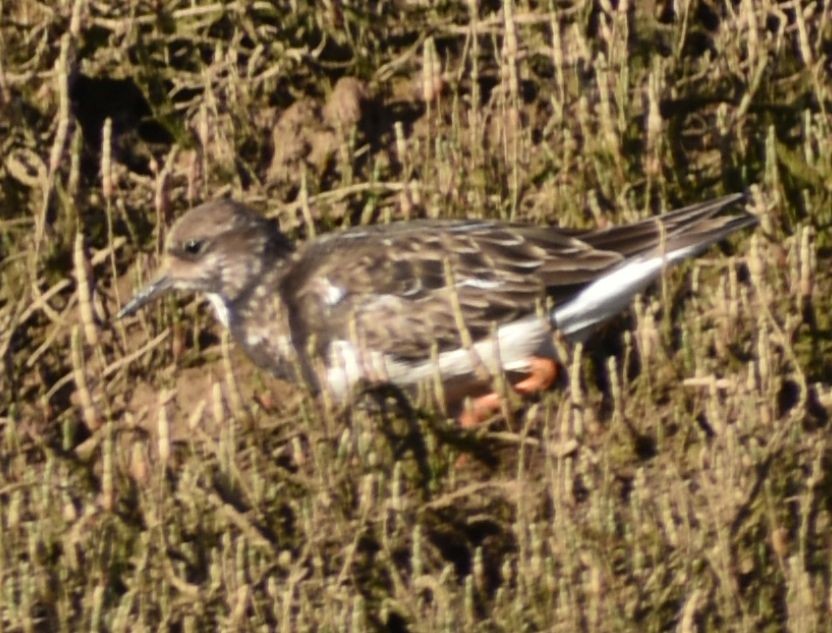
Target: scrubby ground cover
x: 150, y: 479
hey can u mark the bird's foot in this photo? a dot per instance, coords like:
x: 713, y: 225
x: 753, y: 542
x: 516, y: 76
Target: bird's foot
x: 542, y: 375
x: 544, y: 372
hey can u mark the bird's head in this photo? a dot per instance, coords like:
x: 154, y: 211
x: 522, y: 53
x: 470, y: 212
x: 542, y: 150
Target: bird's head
x: 220, y: 248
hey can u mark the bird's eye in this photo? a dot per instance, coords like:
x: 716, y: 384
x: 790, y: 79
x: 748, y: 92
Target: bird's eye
x: 193, y: 247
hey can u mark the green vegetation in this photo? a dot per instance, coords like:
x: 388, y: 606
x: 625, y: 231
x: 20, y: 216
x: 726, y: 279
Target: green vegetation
x: 151, y: 479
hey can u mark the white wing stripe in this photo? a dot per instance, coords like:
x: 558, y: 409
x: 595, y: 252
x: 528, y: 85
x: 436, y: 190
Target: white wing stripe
x: 612, y: 293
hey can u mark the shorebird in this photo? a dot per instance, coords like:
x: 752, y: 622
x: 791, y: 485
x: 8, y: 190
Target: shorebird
x: 407, y: 303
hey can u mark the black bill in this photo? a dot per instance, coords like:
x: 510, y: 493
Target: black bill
x: 145, y: 295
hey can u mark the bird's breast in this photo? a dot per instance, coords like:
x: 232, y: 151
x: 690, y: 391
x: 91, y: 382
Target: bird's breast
x: 261, y: 328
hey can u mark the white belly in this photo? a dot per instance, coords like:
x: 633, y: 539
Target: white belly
x: 510, y: 350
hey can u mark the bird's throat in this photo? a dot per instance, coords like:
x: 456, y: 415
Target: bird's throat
x: 220, y: 308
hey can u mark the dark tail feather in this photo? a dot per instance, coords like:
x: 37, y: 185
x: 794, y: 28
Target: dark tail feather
x: 648, y: 247
x: 677, y: 229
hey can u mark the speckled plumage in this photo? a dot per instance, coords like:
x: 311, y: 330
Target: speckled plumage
x: 406, y: 301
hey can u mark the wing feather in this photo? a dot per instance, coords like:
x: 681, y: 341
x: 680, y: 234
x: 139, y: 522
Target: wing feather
x: 389, y: 285
x: 395, y: 296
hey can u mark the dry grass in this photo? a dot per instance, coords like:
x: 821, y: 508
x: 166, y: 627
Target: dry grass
x: 151, y: 480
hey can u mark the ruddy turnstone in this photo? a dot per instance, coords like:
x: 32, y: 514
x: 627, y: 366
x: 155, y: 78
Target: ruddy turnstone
x: 411, y: 302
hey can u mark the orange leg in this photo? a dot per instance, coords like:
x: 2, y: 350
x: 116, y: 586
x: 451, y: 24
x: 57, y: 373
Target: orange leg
x: 543, y: 373
x: 479, y: 410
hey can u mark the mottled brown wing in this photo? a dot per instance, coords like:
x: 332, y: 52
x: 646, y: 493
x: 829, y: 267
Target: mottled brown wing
x: 393, y: 288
